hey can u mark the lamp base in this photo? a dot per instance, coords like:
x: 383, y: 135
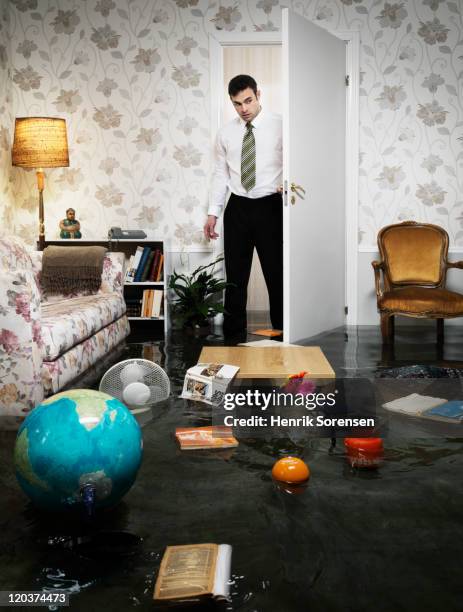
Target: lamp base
x: 41, y: 185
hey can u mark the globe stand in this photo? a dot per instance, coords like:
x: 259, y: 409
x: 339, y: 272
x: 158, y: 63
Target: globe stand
x: 88, y: 494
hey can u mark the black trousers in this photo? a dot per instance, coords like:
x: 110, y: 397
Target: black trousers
x: 250, y: 223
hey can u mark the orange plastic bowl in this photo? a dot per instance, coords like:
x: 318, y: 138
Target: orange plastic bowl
x: 364, y: 452
x: 291, y: 469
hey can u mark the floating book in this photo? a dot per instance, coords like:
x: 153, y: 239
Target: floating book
x: 414, y: 404
x: 450, y: 412
x: 272, y: 333
x: 265, y: 343
x: 195, y: 438
x: 194, y: 573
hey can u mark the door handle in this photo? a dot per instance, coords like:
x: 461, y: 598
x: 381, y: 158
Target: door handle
x: 297, y: 189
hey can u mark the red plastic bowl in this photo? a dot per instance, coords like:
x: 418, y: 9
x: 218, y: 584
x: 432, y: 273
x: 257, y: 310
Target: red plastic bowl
x: 364, y: 452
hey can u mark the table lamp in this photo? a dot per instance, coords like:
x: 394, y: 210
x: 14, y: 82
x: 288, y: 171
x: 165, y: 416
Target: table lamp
x: 40, y: 142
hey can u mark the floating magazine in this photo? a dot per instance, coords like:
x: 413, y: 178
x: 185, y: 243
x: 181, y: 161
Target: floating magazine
x: 208, y: 382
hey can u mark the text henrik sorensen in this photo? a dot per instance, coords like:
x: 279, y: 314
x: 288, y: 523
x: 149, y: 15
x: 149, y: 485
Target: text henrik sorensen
x: 304, y: 421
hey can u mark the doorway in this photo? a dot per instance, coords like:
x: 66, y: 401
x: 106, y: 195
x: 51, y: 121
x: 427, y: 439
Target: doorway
x: 262, y: 62
x: 219, y: 44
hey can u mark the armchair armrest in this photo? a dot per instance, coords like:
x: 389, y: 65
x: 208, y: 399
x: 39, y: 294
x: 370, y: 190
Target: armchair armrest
x: 112, y: 275
x: 377, y: 266
x: 20, y: 343
x: 455, y: 264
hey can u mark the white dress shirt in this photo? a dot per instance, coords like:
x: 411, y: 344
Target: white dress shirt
x: 269, y: 159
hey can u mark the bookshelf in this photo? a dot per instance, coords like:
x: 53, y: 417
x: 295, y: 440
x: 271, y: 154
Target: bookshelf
x: 142, y: 327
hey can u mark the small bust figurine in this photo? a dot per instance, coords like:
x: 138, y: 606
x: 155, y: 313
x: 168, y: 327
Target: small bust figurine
x: 70, y: 227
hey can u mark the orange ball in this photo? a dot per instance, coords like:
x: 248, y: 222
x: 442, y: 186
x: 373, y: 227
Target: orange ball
x: 290, y: 469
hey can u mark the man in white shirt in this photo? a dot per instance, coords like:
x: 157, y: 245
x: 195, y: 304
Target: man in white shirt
x: 249, y: 163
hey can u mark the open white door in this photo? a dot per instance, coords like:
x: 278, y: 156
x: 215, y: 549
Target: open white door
x: 314, y: 128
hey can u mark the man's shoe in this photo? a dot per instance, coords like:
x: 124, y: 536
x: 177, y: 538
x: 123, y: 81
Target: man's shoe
x: 235, y: 336
x: 229, y: 330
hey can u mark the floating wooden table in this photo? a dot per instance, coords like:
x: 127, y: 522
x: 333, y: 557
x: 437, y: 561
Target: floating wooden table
x: 270, y: 361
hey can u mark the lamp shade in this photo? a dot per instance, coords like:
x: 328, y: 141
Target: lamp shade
x: 40, y: 142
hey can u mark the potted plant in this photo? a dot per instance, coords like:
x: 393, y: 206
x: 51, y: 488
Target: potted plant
x: 197, y: 297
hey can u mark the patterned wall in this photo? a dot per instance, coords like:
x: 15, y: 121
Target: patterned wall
x: 6, y: 119
x: 132, y: 79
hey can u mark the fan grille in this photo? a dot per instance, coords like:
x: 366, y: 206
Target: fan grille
x: 152, y: 375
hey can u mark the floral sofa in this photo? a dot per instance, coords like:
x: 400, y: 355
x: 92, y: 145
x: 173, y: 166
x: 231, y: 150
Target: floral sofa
x: 45, y: 342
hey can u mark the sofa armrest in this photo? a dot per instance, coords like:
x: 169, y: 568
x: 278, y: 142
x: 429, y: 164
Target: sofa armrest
x: 455, y: 264
x: 112, y: 275
x: 20, y: 343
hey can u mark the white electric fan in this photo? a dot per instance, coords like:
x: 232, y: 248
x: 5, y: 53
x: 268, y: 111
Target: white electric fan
x: 138, y: 383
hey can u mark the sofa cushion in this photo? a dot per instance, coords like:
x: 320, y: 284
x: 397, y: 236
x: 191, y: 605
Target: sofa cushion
x: 72, y: 363
x: 68, y: 322
x: 422, y: 301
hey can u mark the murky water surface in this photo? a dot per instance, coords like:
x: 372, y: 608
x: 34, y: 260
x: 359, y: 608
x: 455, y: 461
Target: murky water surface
x: 352, y: 540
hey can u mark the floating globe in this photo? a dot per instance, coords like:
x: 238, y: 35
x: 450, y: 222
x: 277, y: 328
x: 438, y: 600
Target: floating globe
x: 78, y: 447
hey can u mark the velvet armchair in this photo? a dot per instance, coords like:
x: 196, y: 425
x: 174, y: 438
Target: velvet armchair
x: 414, y: 268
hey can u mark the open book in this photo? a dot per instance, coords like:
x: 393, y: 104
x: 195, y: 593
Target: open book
x: 194, y: 572
x: 428, y: 407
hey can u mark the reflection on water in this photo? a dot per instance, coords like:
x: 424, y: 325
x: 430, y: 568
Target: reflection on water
x: 350, y: 537
x: 55, y: 579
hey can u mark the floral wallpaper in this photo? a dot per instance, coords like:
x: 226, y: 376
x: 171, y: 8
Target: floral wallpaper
x: 132, y: 79
x: 6, y: 120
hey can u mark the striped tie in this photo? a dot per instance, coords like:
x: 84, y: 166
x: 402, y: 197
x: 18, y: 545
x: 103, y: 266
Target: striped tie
x: 248, y: 159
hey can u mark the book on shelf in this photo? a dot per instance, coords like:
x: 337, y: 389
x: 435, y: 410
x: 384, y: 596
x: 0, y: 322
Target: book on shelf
x: 193, y: 573
x: 152, y: 303
x: 134, y: 310
x: 156, y: 303
x: 160, y: 268
x: 133, y: 307
x: 210, y: 436
x: 154, y: 267
x: 133, y: 265
x: 128, y: 278
x: 143, y: 304
x: 141, y: 265
x: 147, y: 267
x: 149, y: 303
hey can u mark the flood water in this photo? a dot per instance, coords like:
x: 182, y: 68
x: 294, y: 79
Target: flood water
x: 353, y: 540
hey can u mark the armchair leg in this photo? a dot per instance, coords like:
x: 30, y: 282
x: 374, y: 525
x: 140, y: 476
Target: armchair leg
x: 440, y: 331
x: 387, y: 328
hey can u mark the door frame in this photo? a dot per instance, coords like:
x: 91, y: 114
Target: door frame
x: 217, y: 41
